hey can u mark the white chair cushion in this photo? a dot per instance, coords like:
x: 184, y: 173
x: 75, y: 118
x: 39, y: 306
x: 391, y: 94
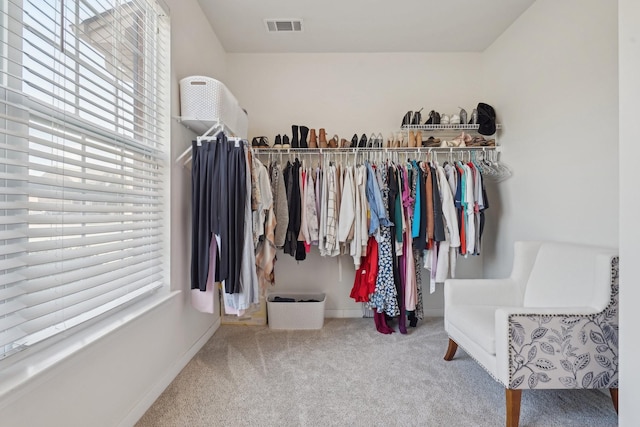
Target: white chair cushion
x: 478, y: 323
x: 563, y: 276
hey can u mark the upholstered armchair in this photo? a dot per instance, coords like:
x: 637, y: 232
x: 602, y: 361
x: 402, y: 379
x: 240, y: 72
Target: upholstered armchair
x: 552, y: 324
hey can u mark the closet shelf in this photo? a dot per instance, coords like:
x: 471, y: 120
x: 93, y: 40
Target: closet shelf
x: 373, y: 150
x: 445, y: 127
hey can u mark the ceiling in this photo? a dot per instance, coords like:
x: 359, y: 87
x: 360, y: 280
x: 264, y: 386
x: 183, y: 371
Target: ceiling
x: 362, y: 25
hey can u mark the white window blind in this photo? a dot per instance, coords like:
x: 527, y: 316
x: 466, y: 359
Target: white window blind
x: 84, y: 121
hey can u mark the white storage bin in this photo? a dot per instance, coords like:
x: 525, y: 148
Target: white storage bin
x: 296, y: 315
x: 205, y: 101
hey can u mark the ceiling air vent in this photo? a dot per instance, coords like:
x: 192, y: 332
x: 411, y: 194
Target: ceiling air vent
x: 283, y: 25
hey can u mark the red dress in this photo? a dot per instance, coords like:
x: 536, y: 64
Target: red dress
x: 365, y: 282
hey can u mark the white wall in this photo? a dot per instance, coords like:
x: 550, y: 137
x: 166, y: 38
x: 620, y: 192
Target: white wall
x: 347, y: 94
x: 114, y: 380
x: 553, y: 79
x: 629, y: 25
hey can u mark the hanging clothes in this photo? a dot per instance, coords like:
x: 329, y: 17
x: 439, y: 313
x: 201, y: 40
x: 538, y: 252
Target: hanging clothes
x: 218, y: 172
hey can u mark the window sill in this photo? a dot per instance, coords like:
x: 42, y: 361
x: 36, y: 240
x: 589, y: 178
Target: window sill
x: 20, y: 372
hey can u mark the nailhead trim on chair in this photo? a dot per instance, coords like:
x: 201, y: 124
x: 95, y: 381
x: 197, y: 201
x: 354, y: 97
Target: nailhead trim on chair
x: 612, y: 382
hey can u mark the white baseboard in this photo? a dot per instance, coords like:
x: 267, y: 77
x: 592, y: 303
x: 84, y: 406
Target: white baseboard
x: 145, y: 403
x: 357, y: 313
x: 341, y: 314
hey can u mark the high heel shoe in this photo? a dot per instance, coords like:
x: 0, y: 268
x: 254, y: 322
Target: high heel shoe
x: 354, y: 140
x: 444, y: 119
x: 372, y: 140
x: 417, y: 117
x: 463, y: 116
x: 389, y: 143
x: 363, y: 141
x: 408, y: 118
x: 474, y: 117
x: 418, y: 141
x: 430, y: 120
x: 412, y: 140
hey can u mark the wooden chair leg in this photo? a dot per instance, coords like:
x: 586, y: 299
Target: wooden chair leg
x: 513, y: 406
x: 614, y: 398
x: 451, y: 351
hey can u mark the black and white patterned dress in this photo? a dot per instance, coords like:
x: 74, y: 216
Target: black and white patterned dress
x: 384, y: 299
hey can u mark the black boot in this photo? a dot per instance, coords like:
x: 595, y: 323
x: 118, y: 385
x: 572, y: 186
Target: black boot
x: 295, y: 142
x: 278, y: 142
x: 304, y: 131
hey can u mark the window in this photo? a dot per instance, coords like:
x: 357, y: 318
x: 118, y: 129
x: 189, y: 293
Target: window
x: 84, y: 123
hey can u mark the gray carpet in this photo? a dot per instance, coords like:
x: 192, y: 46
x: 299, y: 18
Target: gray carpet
x: 349, y: 374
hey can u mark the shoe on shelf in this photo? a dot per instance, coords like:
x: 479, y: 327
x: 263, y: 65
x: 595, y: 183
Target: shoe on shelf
x: 344, y: 143
x: 431, y: 119
x: 474, y: 117
x: 304, y: 131
x: 417, y: 117
x: 454, y: 120
x: 399, y: 140
x: 389, y: 143
x: 372, y: 140
x: 412, y: 140
x: 444, y: 119
x: 313, y: 139
x: 418, y: 142
x: 431, y: 142
x: 322, y: 138
x: 354, y: 140
x: 437, y: 118
x: 333, y: 142
x: 463, y: 116
x: 363, y: 141
x: 380, y: 140
x: 408, y: 118
x: 260, y: 142
x: 285, y: 142
x: 278, y: 142
x: 458, y: 141
x: 295, y: 142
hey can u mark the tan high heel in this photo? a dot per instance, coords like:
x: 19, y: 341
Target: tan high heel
x: 418, y: 139
x: 412, y: 140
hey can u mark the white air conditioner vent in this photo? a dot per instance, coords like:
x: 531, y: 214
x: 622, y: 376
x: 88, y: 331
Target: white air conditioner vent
x: 283, y: 25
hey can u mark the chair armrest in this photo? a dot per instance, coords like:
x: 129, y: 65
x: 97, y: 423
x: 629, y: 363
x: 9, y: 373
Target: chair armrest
x: 499, y: 292
x: 574, y: 347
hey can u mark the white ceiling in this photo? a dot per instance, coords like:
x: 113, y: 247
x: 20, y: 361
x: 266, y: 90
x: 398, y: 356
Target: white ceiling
x: 363, y: 25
